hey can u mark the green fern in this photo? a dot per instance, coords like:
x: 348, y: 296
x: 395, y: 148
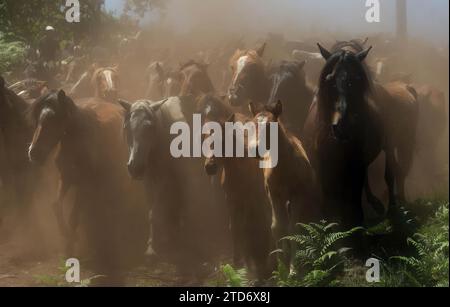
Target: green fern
x: 429, y: 266
x: 318, y: 259
x: 233, y: 277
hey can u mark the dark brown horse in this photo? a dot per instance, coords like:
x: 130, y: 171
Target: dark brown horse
x: 290, y: 86
x: 91, y: 159
x: 290, y: 185
x: 195, y: 79
x: 399, y: 107
x: 162, y: 83
x: 432, y: 125
x: 243, y: 183
x: 17, y: 173
x: 344, y: 134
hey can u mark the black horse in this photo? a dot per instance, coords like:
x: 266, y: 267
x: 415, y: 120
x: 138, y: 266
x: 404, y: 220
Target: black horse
x: 344, y: 134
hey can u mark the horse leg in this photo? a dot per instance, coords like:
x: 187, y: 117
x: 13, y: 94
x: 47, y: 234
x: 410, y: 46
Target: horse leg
x: 405, y: 160
x: 389, y: 176
x: 280, y: 221
x: 236, y: 232
x: 152, y: 200
x: 74, y: 222
x: 63, y: 188
x: 376, y: 204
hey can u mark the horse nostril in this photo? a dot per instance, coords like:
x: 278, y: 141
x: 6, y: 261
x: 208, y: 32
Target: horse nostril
x: 34, y: 155
x: 335, y: 130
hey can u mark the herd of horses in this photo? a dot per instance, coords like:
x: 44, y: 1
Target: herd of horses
x: 112, y: 153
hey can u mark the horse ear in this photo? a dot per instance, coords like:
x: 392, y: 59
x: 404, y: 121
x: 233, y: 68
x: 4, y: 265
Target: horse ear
x: 276, y: 109
x: 363, y: 54
x: 325, y: 53
x: 65, y: 101
x: 62, y: 96
x: 253, y: 109
x: 260, y: 50
x: 232, y: 118
x: 365, y: 41
x: 125, y: 104
x: 155, y: 107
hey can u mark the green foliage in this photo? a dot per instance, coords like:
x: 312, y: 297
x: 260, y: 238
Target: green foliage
x: 26, y: 19
x: 233, y: 277
x: 318, y: 260
x: 12, y: 53
x: 429, y: 266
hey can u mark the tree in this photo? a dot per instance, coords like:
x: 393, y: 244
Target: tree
x: 141, y: 7
x: 25, y: 20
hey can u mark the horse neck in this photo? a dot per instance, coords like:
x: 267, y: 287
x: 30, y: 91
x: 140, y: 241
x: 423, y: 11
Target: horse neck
x: 263, y: 88
x: 14, y: 110
x: 285, y: 150
x: 302, y: 92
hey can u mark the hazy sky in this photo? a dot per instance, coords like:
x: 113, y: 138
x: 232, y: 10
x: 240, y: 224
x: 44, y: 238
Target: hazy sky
x: 427, y: 18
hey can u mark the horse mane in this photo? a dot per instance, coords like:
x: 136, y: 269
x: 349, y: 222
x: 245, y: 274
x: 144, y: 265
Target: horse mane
x: 355, y: 44
x: 285, y: 66
x: 222, y: 108
x: 37, y: 106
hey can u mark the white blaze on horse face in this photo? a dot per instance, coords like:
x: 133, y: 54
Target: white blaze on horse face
x: 379, y: 68
x: 108, y: 77
x: 269, y: 156
x: 254, y: 143
x: 240, y: 67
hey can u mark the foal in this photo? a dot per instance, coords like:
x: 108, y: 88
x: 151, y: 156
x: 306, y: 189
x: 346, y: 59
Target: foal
x: 290, y: 185
x: 243, y: 183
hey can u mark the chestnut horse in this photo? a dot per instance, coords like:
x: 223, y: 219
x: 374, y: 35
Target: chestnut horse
x: 290, y: 185
x: 91, y: 160
x: 102, y: 83
x: 344, y: 134
x: 243, y: 183
x: 249, y: 81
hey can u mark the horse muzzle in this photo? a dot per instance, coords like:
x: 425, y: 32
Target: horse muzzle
x: 211, y: 168
x: 35, y: 155
x: 135, y: 170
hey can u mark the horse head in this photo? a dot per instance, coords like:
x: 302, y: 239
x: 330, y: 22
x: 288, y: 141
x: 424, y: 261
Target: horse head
x: 343, y: 89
